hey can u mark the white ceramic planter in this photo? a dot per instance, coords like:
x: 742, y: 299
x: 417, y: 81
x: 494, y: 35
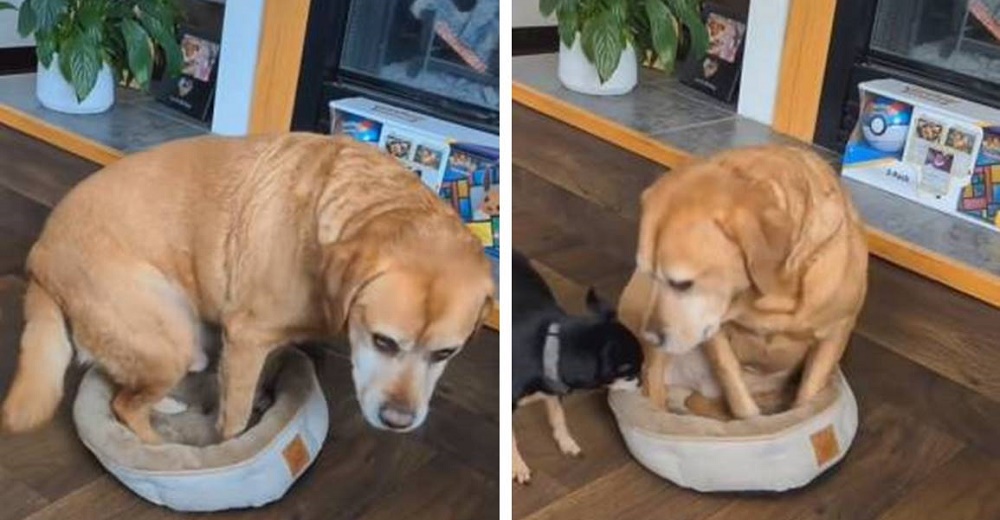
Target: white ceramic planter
x: 577, y: 73
x: 55, y: 93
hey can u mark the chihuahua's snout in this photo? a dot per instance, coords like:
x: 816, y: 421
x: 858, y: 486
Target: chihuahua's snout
x: 396, y: 416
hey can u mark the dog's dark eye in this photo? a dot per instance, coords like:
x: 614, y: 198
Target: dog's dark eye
x: 680, y: 285
x: 437, y: 356
x: 385, y: 344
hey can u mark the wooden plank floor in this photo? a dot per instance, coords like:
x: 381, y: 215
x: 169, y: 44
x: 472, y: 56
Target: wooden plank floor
x: 924, y: 363
x: 447, y: 469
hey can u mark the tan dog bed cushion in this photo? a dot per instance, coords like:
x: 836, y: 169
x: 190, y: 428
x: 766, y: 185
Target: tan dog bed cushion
x: 767, y: 453
x: 191, y: 471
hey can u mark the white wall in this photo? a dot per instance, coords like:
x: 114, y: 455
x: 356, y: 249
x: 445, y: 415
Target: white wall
x: 526, y: 14
x: 8, y: 29
x: 241, y: 28
x: 762, y: 59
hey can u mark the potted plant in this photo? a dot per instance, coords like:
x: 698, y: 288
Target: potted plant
x: 85, y: 47
x: 601, y: 40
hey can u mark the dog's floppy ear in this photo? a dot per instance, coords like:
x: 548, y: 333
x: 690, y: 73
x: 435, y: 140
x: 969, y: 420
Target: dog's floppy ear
x: 652, y: 204
x: 348, y: 267
x: 484, y: 312
x: 764, y: 234
x: 600, y: 307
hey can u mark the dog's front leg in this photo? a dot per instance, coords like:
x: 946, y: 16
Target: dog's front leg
x: 654, y: 384
x: 240, y: 366
x: 729, y: 375
x: 560, y: 432
x: 522, y: 474
x: 821, y: 363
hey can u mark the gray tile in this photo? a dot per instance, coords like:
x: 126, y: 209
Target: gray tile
x: 938, y: 232
x: 134, y: 123
x: 734, y: 132
x: 657, y: 104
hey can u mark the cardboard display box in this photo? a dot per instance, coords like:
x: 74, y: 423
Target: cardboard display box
x: 460, y: 164
x: 931, y: 148
x: 421, y: 142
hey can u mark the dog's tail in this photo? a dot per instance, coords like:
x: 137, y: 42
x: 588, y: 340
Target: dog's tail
x: 45, y: 355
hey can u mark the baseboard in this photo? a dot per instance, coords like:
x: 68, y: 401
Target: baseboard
x: 534, y: 40
x: 16, y: 60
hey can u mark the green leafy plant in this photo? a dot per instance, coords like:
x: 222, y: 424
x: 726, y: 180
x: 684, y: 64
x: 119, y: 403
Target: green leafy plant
x: 128, y: 35
x: 606, y: 27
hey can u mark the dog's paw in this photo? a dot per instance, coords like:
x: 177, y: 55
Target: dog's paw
x: 522, y: 474
x: 744, y: 409
x: 199, y: 361
x: 568, y: 445
x: 677, y: 400
x: 657, y: 395
x: 170, y: 406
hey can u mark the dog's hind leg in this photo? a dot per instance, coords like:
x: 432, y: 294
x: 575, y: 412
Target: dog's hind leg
x: 560, y: 432
x: 142, y: 330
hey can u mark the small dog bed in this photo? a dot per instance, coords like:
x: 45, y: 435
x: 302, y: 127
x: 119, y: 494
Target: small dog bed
x: 767, y: 453
x: 191, y: 470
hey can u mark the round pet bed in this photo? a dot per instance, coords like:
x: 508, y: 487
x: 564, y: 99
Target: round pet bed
x: 191, y: 471
x: 768, y: 453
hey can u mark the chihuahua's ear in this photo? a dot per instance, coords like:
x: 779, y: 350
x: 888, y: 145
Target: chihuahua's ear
x: 600, y: 307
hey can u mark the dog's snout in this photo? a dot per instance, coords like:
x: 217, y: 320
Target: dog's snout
x: 396, y: 416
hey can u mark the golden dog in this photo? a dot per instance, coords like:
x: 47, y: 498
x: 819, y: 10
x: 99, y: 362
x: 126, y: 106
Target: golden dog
x: 758, y: 256
x: 275, y: 238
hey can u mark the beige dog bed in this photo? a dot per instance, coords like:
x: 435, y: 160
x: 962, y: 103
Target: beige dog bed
x: 768, y: 453
x: 191, y: 471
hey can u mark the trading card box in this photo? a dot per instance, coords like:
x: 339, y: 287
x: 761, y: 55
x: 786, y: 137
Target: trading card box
x: 928, y: 147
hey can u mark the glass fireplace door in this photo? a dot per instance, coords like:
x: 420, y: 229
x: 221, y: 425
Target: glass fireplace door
x: 442, y: 48
x: 959, y: 37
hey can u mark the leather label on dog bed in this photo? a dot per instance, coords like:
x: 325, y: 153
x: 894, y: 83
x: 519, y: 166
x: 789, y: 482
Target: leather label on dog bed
x: 296, y: 456
x: 825, y: 445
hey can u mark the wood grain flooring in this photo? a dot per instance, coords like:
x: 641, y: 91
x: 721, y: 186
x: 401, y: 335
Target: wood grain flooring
x: 924, y: 363
x: 447, y: 469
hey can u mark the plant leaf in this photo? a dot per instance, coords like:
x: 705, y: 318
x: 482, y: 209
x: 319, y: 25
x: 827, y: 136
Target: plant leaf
x: 45, y: 47
x: 603, y: 43
x: 547, y: 7
x: 7, y: 6
x: 690, y: 18
x: 662, y: 32
x: 26, y: 20
x: 140, y: 56
x: 48, y: 12
x: 92, y: 13
x: 162, y: 33
x: 568, y: 23
x: 620, y: 10
x: 80, y: 61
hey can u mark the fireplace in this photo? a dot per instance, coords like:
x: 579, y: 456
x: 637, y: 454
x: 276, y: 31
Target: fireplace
x: 438, y: 57
x: 952, y: 46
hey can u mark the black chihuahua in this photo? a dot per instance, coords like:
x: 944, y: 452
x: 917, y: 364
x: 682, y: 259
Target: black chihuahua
x: 555, y: 353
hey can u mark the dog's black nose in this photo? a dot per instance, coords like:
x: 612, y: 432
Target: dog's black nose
x: 396, y: 416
